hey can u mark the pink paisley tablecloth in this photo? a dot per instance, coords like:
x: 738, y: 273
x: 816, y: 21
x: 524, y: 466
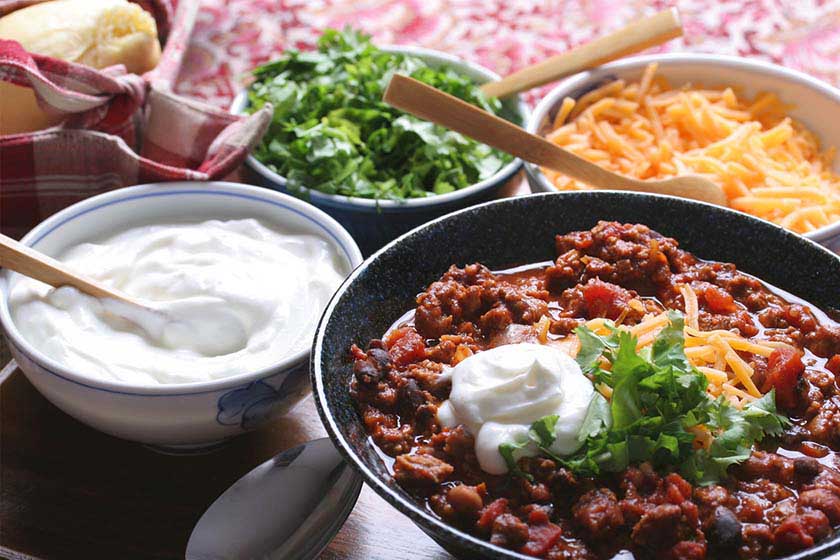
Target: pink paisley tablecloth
x: 232, y: 36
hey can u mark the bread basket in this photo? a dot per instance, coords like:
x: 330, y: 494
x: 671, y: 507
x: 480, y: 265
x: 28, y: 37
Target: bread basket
x: 118, y: 128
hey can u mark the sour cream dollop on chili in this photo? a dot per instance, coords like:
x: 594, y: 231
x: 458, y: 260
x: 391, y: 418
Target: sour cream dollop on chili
x: 274, y: 283
x: 497, y: 394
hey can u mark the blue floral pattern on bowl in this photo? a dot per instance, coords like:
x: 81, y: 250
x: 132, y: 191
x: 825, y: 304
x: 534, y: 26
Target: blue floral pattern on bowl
x: 250, y: 405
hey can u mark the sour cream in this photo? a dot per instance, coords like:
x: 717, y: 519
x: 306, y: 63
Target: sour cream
x: 269, y: 284
x: 497, y: 394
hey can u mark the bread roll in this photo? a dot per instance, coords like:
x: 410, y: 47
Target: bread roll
x: 97, y: 33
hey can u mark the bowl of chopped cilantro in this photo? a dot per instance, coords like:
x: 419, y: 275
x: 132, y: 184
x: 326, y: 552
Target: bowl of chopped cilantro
x: 377, y: 170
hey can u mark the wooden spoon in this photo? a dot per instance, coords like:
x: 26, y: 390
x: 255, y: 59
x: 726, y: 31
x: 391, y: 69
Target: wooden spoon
x: 29, y: 262
x: 637, y: 36
x: 446, y: 110
x: 200, y: 323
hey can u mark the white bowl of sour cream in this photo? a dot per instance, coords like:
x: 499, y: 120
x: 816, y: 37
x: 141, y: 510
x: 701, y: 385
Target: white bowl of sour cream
x: 269, y: 260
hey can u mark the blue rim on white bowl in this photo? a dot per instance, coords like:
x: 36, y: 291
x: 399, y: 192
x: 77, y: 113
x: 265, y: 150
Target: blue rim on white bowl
x: 356, y: 213
x: 220, y: 407
x: 812, y: 98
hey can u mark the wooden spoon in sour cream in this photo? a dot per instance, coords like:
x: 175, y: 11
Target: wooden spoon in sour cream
x: 202, y: 324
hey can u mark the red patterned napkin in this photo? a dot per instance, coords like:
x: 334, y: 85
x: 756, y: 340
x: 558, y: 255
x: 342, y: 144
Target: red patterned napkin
x: 233, y: 36
x: 121, y: 129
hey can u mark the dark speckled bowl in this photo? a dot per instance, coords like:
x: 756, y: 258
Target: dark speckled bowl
x: 516, y: 231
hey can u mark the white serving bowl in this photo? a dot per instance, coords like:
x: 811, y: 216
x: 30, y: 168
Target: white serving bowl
x: 816, y: 104
x: 176, y: 416
x: 375, y: 222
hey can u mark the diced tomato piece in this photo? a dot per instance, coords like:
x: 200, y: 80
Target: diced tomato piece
x: 537, y: 516
x: 541, y: 537
x: 833, y: 365
x: 718, y: 300
x: 603, y: 299
x: 823, y: 500
x: 357, y: 353
x: 392, y: 337
x: 784, y: 367
x: 798, y: 532
x: 490, y: 512
x: 816, y: 523
x: 405, y: 345
x: 790, y: 536
x: 687, y: 550
x: 800, y: 317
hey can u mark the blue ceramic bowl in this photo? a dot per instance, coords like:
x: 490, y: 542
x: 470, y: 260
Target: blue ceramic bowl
x: 521, y: 230
x: 372, y: 223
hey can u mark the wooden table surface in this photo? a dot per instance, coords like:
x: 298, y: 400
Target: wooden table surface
x: 68, y: 491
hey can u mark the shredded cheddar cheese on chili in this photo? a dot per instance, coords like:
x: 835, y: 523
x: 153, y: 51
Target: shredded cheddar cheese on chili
x: 713, y: 353
x: 768, y: 164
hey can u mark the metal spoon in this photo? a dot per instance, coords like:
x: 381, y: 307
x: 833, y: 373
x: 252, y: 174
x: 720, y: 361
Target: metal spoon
x: 288, y: 508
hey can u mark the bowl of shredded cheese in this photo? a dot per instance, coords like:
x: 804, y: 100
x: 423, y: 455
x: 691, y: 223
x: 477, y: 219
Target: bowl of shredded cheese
x: 764, y: 133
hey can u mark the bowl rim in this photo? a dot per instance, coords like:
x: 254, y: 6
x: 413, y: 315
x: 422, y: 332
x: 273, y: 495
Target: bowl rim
x: 556, y: 95
x: 317, y: 197
x: 336, y: 234
x: 408, y: 507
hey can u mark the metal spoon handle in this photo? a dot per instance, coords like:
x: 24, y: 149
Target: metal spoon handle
x: 288, y: 508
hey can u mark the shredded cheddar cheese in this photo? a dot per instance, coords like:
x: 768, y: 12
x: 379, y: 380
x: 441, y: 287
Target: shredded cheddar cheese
x: 768, y: 164
x: 542, y: 329
x: 461, y: 353
x: 714, y: 353
x: 692, y: 309
x: 605, y: 390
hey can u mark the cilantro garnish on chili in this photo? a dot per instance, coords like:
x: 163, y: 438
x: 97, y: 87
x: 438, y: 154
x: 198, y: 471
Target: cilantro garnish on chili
x: 658, y: 411
x: 332, y: 132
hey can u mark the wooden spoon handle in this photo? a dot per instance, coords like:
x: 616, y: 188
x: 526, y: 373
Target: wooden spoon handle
x: 25, y: 260
x: 432, y: 104
x: 446, y: 110
x: 637, y: 36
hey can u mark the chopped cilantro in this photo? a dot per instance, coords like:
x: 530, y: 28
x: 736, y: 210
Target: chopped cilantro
x: 332, y: 132
x: 507, y: 451
x: 659, y: 401
x: 592, y: 347
x: 542, y: 431
x: 597, y: 418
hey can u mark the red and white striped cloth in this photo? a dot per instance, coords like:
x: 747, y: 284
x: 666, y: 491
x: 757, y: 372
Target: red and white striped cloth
x: 120, y: 129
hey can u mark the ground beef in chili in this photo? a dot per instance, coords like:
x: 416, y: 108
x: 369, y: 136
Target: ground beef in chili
x: 784, y: 498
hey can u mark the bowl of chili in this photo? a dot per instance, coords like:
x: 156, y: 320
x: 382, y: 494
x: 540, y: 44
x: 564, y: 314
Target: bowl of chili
x: 376, y: 372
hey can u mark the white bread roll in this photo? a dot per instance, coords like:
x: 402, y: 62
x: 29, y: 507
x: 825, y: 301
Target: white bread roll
x: 97, y: 33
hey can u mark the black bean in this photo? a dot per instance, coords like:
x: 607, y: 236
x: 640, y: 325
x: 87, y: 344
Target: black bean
x: 806, y: 467
x: 725, y: 531
x: 366, y: 372
x: 411, y: 392
x: 794, y: 435
x: 380, y: 357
